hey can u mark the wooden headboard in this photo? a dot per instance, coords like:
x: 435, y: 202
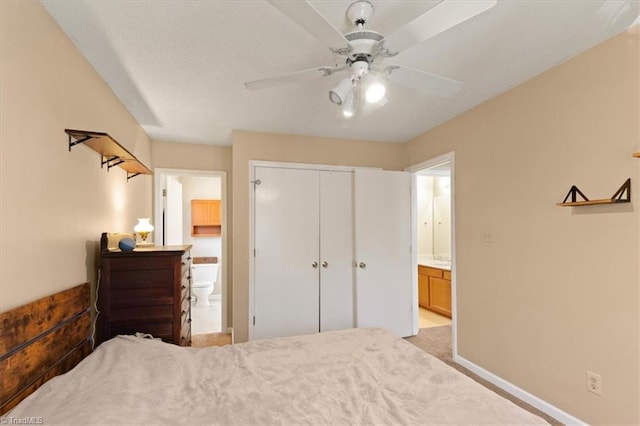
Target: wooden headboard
x: 41, y: 340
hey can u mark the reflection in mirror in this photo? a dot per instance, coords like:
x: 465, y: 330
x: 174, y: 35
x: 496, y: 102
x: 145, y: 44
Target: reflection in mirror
x: 434, y: 214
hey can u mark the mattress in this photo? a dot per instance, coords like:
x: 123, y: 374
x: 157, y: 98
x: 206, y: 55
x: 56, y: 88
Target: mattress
x: 357, y: 376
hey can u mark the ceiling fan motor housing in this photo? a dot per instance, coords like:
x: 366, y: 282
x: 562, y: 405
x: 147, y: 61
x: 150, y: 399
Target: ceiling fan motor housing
x: 364, y: 45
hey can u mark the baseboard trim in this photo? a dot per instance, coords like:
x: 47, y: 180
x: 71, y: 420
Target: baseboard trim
x: 520, y: 393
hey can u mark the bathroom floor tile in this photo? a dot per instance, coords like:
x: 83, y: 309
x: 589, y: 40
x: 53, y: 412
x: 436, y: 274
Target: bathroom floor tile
x: 207, y: 319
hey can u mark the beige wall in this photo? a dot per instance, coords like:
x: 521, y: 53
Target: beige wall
x: 189, y: 156
x: 557, y: 292
x: 296, y: 149
x: 54, y: 204
x: 179, y: 155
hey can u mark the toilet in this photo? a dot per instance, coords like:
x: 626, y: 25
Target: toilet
x: 203, y: 279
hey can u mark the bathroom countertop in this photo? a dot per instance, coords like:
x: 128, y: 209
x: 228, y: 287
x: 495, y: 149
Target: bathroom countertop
x: 440, y: 264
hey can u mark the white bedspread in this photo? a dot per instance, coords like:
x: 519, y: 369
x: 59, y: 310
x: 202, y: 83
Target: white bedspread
x: 360, y: 376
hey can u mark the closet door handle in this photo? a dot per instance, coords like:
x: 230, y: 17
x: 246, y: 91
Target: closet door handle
x: 362, y: 265
x: 314, y: 264
x: 325, y: 264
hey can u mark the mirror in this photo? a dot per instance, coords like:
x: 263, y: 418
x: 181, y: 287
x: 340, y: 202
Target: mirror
x: 434, y: 214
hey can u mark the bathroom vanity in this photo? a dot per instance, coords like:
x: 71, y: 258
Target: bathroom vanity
x: 147, y: 290
x: 434, y: 288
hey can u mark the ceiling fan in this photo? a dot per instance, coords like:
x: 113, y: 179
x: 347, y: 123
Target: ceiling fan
x: 363, y: 51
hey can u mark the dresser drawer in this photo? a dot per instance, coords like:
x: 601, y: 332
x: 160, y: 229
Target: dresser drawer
x: 142, y: 313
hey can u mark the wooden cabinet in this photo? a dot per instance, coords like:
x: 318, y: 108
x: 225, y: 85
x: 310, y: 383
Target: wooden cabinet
x: 206, y: 218
x: 423, y: 288
x: 434, y: 289
x: 146, y: 291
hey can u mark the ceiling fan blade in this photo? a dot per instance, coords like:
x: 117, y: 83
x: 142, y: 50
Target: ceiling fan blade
x: 281, y: 80
x: 440, y: 18
x: 424, y: 81
x: 303, y: 14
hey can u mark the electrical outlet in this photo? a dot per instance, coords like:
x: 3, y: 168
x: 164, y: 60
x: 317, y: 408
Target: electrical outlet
x: 594, y: 383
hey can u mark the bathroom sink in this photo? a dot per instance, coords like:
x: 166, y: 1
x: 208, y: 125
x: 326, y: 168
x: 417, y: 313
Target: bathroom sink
x: 439, y: 264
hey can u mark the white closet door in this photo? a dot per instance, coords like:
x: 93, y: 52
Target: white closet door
x: 336, y: 250
x: 286, y: 284
x: 384, y: 290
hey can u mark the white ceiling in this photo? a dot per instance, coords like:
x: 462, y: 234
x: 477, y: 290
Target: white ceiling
x: 179, y: 66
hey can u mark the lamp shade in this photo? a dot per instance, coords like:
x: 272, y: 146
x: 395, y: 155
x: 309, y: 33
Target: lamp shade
x: 143, y: 225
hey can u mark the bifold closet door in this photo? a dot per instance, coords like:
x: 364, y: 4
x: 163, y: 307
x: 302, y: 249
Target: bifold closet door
x: 286, y: 267
x: 384, y: 289
x: 336, y: 250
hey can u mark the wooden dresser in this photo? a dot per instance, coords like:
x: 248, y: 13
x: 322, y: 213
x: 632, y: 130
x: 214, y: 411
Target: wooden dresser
x: 147, y: 291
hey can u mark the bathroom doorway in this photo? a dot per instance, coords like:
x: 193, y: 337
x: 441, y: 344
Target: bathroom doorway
x: 174, y: 191
x: 433, y: 232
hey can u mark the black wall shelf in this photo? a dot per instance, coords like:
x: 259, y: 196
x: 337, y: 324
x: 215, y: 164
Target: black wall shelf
x: 111, y: 152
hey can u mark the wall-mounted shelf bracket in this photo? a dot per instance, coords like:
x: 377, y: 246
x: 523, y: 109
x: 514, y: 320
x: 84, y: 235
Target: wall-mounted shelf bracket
x: 573, y: 193
x: 73, y: 142
x: 131, y: 175
x: 111, y: 161
x: 623, y: 191
x: 622, y: 195
x: 112, y: 154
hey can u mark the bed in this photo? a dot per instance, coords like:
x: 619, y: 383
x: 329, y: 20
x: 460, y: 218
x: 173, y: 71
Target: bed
x: 356, y: 376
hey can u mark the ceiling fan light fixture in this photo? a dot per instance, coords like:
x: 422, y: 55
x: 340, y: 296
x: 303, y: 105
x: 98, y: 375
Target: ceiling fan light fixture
x: 375, y: 88
x: 349, y: 107
x: 353, y: 102
x: 375, y: 92
x: 338, y: 95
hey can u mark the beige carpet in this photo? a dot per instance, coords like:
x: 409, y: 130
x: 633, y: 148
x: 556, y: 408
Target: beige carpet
x: 437, y: 342
x: 210, y: 339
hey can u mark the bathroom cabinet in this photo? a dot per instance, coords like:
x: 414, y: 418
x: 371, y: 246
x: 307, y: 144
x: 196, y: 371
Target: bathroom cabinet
x: 206, y: 218
x: 434, y: 289
x: 147, y: 290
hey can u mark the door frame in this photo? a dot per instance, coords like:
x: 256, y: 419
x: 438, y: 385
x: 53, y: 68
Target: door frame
x: 159, y: 177
x: 414, y: 170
